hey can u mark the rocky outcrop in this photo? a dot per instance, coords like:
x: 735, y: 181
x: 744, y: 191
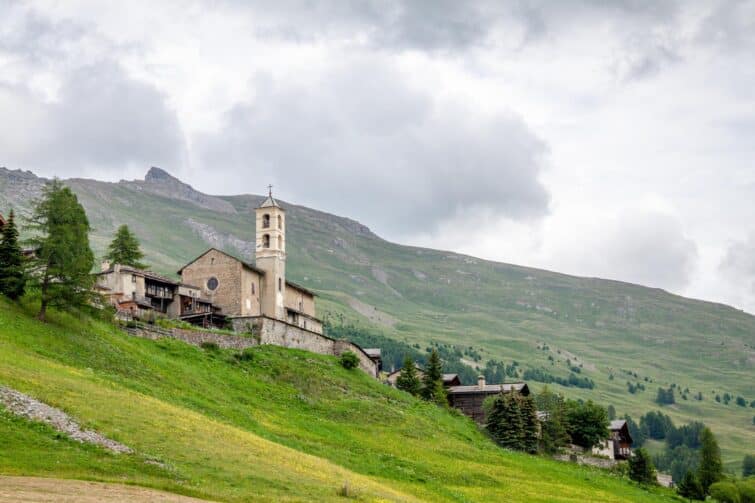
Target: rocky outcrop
x: 159, y: 182
x: 25, y: 406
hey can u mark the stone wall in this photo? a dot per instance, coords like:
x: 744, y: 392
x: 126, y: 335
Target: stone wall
x: 263, y: 331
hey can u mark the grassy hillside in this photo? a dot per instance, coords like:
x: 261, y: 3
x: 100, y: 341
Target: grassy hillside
x: 288, y: 425
x: 505, y: 312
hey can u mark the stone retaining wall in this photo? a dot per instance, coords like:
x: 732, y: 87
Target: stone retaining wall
x: 263, y: 331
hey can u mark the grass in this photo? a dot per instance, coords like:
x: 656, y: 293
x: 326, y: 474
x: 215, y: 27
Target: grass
x: 285, y: 425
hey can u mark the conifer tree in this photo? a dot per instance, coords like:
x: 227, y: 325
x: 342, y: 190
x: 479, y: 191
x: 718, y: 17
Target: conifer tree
x: 530, y: 424
x: 710, y: 469
x: 63, y: 261
x: 690, y: 487
x: 641, y: 467
x: 124, y: 249
x: 504, y: 422
x: 433, y: 375
x: 408, y: 380
x: 12, y: 276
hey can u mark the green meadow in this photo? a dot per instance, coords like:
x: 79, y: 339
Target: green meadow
x: 286, y: 425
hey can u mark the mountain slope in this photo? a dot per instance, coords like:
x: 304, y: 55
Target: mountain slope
x: 286, y: 426
x: 616, y: 332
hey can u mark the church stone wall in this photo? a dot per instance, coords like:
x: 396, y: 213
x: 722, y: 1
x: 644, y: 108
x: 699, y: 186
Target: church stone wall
x: 227, y: 296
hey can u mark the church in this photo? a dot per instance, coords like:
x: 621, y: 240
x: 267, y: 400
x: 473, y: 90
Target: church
x: 247, y: 294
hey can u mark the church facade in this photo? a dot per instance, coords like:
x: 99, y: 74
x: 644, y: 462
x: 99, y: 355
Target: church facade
x: 248, y: 293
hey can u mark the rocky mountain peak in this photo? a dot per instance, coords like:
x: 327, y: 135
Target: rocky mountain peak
x: 159, y: 175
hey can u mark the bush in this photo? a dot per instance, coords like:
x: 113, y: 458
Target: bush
x: 246, y: 355
x: 725, y: 492
x: 349, y: 360
x: 209, y: 346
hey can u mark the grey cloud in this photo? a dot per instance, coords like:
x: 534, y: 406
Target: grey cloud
x: 647, y: 247
x: 739, y: 262
x: 102, y: 121
x: 360, y: 137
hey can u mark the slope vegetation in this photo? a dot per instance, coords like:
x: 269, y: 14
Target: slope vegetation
x: 616, y: 333
x: 287, y: 425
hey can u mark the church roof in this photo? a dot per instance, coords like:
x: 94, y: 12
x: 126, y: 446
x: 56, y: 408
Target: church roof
x: 269, y: 202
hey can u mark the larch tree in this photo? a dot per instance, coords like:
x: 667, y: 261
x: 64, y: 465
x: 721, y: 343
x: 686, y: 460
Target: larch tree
x: 710, y: 469
x: 62, y: 265
x: 124, y: 249
x: 12, y: 275
x: 409, y: 380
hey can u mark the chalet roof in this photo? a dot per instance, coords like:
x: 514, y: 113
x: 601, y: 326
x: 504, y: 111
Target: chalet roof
x: 249, y: 266
x: 373, y: 352
x: 300, y: 288
x: 139, y: 272
x: 490, y: 389
x: 617, y: 424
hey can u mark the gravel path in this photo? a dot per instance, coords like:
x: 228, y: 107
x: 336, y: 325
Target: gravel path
x: 26, y: 406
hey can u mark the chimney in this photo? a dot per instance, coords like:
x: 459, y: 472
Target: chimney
x: 481, y: 382
x: 105, y: 265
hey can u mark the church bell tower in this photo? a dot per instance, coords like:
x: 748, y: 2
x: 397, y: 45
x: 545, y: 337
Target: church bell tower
x: 270, y: 255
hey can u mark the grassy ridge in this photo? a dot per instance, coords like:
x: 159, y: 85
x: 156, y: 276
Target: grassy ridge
x: 289, y: 425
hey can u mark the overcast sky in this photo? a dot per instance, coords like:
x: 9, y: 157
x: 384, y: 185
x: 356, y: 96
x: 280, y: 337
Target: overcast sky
x: 588, y: 137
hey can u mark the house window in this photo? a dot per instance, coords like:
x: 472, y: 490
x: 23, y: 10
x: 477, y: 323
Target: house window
x: 252, y: 288
x: 280, y: 222
x: 280, y: 284
x: 212, y: 283
x: 265, y: 221
x: 266, y: 241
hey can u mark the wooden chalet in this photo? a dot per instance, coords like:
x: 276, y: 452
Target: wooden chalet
x: 618, y: 445
x: 469, y: 399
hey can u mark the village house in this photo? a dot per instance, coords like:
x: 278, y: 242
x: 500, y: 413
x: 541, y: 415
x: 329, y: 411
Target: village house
x: 618, y: 445
x: 469, y: 399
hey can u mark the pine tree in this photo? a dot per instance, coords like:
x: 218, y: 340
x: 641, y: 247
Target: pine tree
x: 12, y: 276
x: 748, y: 466
x: 710, y: 469
x: 504, y: 422
x: 408, y: 380
x: 63, y: 262
x: 641, y: 467
x: 690, y: 487
x: 611, y: 412
x: 124, y: 249
x: 530, y: 424
x: 433, y: 375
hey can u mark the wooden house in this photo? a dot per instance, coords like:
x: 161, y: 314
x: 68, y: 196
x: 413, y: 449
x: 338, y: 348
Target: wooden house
x: 469, y: 399
x: 618, y: 445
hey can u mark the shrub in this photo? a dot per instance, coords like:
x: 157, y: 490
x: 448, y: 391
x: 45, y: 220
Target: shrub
x: 725, y: 492
x: 349, y: 360
x: 690, y: 487
x: 209, y: 346
x: 246, y: 355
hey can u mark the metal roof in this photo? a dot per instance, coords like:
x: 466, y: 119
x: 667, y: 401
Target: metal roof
x: 489, y: 388
x: 617, y: 424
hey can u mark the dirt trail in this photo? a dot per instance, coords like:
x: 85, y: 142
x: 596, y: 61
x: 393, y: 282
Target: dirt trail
x: 43, y: 490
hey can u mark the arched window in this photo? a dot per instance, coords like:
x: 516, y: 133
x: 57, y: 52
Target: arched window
x: 280, y: 242
x: 280, y: 222
x: 265, y: 221
x: 266, y: 241
x: 212, y: 283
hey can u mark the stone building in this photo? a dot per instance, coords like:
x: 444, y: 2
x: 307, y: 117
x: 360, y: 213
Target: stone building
x: 246, y: 293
